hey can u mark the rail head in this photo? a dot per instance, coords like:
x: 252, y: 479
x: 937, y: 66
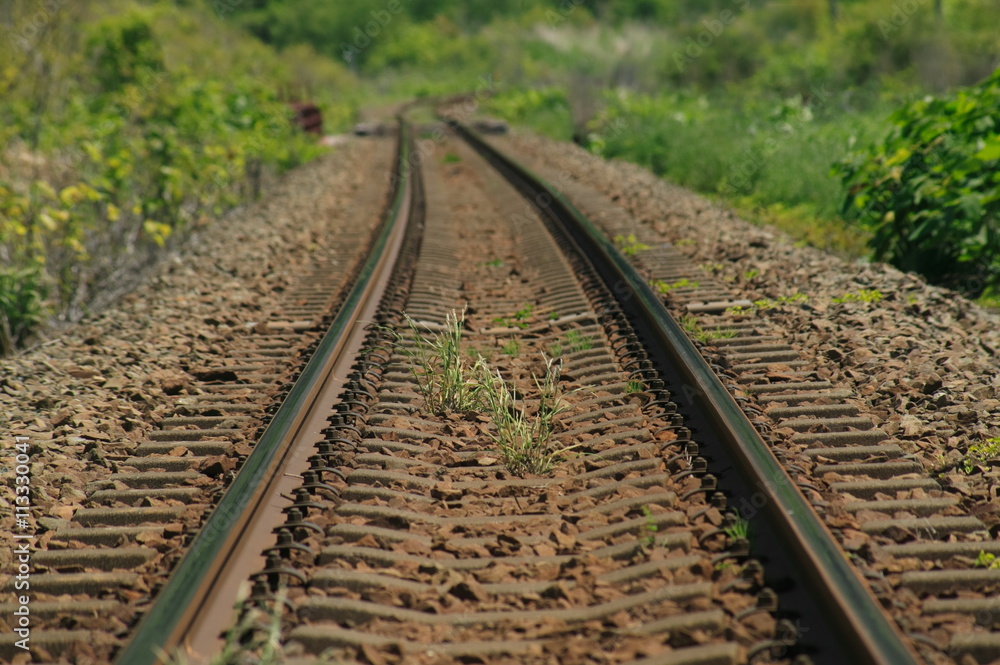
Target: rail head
x: 842, y: 593
x: 163, y: 627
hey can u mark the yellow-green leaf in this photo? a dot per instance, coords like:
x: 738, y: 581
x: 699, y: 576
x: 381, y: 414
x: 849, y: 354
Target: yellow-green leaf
x: 70, y: 196
x: 47, y: 221
x: 990, y: 152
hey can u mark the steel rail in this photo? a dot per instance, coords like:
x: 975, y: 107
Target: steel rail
x: 842, y: 595
x: 163, y: 628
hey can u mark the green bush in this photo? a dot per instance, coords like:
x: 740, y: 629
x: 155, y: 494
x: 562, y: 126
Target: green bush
x: 122, y: 49
x: 22, y: 295
x: 116, y: 139
x: 766, y: 152
x: 930, y: 190
x: 546, y: 109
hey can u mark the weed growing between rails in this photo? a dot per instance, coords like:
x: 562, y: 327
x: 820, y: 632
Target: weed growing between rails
x: 524, y: 438
x: 572, y: 342
x: 738, y: 529
x: 981, y: 456
x: 987, y: 560
x: 447, y: 384
x: 694, y: 329
x: 443, y: 376
x: 649, y: 527
x: 255, y: 638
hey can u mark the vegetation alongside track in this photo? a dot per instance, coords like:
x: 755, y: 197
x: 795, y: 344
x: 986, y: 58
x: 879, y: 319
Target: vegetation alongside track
x: 752, y: 102
x: 117, y: 138
x: 125, y: 137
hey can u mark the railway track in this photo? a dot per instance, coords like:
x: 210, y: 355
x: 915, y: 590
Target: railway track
x: 97, y: 570
x: 915, y: 538
x: 658, y: 527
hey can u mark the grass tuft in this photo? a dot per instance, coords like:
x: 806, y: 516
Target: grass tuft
x: 442, y: 374
x: 255, y: 638
x: 512, y: 348
x: 738, y: 528
x: 524, y: 439
x: 691, y: 326
x: 629, y: 245
x: 649, y: 527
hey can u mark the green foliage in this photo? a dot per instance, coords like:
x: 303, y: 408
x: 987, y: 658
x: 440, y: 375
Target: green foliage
x: 738, y: 528
x: 121, y: 148
x: 572, y: 342
x: 629, y: 245
x: 22, y: 295
x: 443, y: 378
x: 518, y: 319
x: 863, y: 295
x: 692, y: 327
x: 987, y: 560
x: 547, y: 109
x: 575, y: 341
x: 523, y: 435
x: 980, y: 455
x: 664, y: 288
x: 930, y: 191
x: 634, y: 386
x: 435, y: 45
x: 766, y: 152
x: 649, y: 527
x: 123, y: 48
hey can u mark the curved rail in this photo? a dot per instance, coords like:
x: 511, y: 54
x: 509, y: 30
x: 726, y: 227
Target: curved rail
x: 195, y: 580
x: 851, y: 609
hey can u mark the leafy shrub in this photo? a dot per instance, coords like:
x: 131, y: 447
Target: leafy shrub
x: 930, y: 191
x: 546, y: 108
x: 22, y: 294
x: 122, y: 48
x: 113, y: 152
x: 773, y: 151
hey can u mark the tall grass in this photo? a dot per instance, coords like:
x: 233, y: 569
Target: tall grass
x: 771, y: 159
x: 776, y: 151
x: 254, y: 638
x: 442, y: 374
x: 523, y: 437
